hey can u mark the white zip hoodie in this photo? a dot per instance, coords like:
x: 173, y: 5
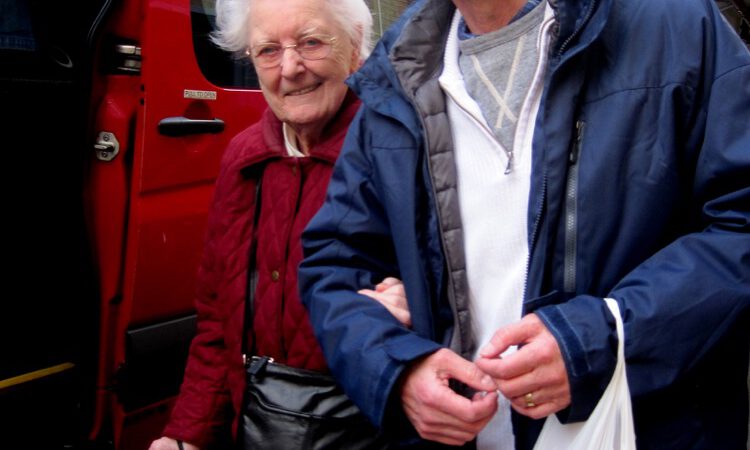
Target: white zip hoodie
x: 494, y: 210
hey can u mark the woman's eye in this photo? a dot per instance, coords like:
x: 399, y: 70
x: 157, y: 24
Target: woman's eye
x: 311, y: 43
x: 269, y: 50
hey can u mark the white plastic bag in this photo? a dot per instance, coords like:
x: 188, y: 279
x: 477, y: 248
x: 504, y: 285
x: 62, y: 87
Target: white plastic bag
x: 610, y: 426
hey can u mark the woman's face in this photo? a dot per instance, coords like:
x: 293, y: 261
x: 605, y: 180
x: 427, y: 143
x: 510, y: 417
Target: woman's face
x: 303, y: 93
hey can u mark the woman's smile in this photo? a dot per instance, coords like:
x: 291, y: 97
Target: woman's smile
x: 303, y: 91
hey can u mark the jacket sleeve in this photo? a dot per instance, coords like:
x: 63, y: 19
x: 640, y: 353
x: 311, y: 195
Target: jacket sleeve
x: 692, y: 297
x: 348, y: 247
x: 202, y: 413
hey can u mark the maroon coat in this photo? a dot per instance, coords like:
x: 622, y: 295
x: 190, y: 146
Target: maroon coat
x: 293, y: 189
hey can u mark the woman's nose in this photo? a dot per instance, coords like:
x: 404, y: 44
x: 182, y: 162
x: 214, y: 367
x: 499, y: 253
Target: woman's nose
x: 291, y: 62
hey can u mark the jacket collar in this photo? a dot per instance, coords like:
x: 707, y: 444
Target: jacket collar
x: 579, y: 24
x: 405, y: 57
x: 378, y: 83
x: 269, y: 143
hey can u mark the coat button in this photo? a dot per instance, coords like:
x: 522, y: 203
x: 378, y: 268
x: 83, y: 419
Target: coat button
x: 294, y: 170
x: 275, y: 275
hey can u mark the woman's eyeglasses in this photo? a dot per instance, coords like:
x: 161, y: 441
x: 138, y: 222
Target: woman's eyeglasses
x: 268, y: 54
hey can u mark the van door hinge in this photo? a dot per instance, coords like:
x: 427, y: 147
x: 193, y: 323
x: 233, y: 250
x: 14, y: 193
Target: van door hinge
x: 127, y: 59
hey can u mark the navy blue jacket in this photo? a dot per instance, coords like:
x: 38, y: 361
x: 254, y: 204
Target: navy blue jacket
x: 646, y: 108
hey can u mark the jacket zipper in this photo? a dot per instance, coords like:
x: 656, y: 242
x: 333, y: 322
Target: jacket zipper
x: 534, y: 234
x: 589, y: 13
x: 571, y: 212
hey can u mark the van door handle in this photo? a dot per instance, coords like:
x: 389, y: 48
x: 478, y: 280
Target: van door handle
x: 182, y: 126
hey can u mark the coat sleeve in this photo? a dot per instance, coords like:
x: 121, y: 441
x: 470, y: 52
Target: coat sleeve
x: 203, y: 412
x: 348, y: 247
x: 691, y: 299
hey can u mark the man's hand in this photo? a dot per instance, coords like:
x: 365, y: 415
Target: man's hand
x: 436, y: 411
x: 537, y: 368
x: 391, y: 294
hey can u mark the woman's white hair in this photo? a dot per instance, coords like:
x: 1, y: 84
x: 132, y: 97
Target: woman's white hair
x: 233, y: 20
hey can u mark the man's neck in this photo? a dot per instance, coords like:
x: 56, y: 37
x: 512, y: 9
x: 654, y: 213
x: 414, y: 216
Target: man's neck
x: 485, y: 16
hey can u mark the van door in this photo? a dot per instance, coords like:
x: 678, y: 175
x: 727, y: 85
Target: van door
x: 168, y: 104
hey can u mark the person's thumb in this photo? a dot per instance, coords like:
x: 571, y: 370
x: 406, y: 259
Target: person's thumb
x: 514, y: 334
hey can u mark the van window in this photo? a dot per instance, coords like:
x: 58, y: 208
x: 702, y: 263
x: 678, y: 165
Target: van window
x: 218, y: 66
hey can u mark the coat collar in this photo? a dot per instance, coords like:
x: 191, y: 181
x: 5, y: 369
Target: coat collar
x: 579, y: 24
x: 259, y: 145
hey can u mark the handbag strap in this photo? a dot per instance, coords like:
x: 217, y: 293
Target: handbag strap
x: 252, y: 276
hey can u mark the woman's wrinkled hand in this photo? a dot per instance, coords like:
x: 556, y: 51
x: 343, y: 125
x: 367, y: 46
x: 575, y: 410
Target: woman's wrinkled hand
x: 391, y: 294
x: 165, y: 443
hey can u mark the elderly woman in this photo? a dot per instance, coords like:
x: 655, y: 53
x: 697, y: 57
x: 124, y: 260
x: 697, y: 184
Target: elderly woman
x: 273, y: 179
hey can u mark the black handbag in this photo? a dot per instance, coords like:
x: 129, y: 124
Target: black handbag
x: 290, y: 408
x: 287, y: 408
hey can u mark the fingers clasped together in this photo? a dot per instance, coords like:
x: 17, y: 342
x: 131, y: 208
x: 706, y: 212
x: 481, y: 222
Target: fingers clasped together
x: 533, y: 379
x: 435, y: 410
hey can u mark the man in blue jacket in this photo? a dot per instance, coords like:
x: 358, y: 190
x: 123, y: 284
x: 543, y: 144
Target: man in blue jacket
x: 514, y: 163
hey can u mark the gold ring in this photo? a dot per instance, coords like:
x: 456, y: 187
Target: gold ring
x: 529, y: 398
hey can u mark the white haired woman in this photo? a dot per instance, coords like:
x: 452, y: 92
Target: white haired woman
x: 272, y: 181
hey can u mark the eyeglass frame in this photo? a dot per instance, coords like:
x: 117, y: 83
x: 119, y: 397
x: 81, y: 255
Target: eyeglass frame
x: 326, y: 41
